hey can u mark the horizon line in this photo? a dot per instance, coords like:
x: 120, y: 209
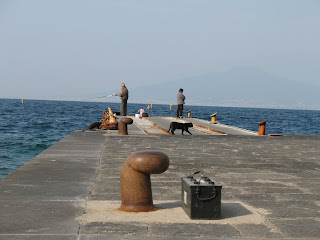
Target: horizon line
x: 279, y: 107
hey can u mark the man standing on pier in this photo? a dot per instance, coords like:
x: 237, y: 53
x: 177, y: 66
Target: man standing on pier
x: 124, y: 95
x: 180, y: 102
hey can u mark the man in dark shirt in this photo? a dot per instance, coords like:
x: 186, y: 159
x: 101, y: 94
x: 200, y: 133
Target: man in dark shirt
x: 124, y: 95
x: 180, y: 102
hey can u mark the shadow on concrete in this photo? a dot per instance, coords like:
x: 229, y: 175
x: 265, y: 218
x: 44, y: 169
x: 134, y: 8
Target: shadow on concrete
x: 231, y: 210
x: 228, y: 210
x: 168, y: 205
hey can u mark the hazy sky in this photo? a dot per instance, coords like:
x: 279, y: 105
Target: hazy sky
x: 76, y: 48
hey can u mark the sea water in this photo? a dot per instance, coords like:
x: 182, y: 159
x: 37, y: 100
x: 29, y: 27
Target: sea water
x: 29, y: 128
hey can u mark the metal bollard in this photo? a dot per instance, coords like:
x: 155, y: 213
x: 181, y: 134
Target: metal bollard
x: 189, y: 114
x: 214, y: 118
x: 122, y: 126
x: 136, y: 193
x: 262, y: 127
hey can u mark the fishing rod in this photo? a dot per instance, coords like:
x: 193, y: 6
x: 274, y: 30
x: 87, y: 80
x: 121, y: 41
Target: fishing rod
x: 99, y: 97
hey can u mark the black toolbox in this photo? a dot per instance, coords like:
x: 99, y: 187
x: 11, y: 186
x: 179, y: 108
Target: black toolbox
x: 201, y: 197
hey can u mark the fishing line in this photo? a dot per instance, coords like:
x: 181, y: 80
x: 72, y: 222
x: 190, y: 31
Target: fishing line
x: 111, y: 93
x: 98, y: 97
x: 106, y: 96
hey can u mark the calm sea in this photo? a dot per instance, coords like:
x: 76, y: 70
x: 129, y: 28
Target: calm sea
x: 29, y: 128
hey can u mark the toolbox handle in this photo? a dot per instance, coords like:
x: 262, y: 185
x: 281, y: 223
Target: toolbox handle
x: 191, y: 176
x: 214, y: 194
x: 198, y: 184
x: 202, y: 177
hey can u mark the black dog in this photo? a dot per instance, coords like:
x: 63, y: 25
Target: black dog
x: 182, y: 126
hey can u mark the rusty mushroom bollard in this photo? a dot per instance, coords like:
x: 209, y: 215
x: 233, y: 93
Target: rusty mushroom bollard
x: 122, y: 126
x: 136, y: 193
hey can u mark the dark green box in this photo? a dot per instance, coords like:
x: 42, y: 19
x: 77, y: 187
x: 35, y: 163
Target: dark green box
x: 201, y: 198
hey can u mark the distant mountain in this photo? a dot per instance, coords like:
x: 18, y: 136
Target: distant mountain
x: 242, y: 87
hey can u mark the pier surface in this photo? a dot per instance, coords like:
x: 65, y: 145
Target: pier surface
x: 72, y: 190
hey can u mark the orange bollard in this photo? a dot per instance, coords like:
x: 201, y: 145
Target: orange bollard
x: 189, y: 114
x: 262, y: 127
x: 214, y: 118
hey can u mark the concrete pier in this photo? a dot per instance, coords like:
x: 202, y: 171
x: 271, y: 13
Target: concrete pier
x: 72, y: 190
x: 160, y: 125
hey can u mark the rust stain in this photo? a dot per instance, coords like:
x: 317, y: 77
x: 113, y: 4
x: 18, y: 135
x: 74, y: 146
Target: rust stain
x: 158, y: 127
x: 210, y: 129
